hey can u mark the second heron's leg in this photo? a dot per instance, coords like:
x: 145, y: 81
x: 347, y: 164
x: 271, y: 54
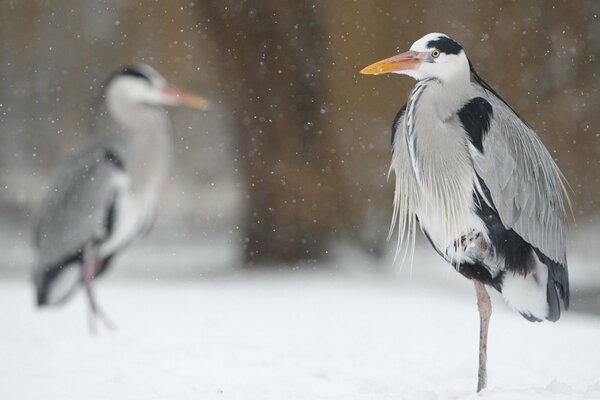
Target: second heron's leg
x: 484, y: 305
x: 91, y: 266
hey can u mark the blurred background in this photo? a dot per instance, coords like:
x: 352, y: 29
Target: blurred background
x: 290, y: 168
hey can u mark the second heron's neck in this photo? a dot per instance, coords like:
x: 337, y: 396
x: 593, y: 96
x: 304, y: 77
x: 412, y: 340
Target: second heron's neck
x: 149, y: 154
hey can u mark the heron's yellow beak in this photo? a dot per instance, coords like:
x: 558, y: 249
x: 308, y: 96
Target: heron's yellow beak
x: 180, y: 97
x: 401, y: 62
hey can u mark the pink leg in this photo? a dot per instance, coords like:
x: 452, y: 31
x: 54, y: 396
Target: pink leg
x: 484, y: 305
x: 91, y: 266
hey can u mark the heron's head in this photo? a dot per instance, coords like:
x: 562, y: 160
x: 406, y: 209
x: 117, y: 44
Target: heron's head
x: 435, y: 55
x: 142, y: 85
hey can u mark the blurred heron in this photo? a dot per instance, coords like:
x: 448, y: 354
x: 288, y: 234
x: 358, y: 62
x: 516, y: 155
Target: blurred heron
x: 484, y: 189
x: 105, y: 197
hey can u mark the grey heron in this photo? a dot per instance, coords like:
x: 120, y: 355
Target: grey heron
x: 104, y: 197
x: 485, y: 191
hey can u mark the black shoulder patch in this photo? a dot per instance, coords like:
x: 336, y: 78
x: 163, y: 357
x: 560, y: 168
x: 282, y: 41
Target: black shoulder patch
x: 114, y: 159
x: 445, y: 45
x: 476, y: 117
x: 395, y: 124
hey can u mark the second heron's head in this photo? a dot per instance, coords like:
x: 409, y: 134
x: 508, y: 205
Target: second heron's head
x: 435, y: 55
x: 141, y: 85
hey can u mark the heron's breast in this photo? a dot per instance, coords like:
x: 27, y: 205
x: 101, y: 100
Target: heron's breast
x: 447, y: 210
x: 129, y: 219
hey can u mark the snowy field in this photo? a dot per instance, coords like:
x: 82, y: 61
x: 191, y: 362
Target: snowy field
x: 326, y: 334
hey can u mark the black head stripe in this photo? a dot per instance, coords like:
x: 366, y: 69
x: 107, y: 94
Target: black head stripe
x: 445, y: 45
x: 131, y: 70
x: 135, y: 72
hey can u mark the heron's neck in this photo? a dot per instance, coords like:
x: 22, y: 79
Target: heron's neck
x: 450, y: 96
x: 150, y: 151
x: 439, y: 157
x: 431, y: 106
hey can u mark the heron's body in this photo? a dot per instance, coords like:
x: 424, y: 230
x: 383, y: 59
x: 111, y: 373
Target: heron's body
x: 106, y: 196
x: 98, y: 198
x: 480, y: 183
x: 451, y: 198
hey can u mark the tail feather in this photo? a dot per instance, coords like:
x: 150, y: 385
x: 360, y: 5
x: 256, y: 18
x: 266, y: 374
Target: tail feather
x: 553, y: 303
x: 537, y: 295
x: 56, y: 283
x: 558, y: 276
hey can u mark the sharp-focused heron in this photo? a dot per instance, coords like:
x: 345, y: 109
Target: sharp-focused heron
x: 486, y: 192
x: 105, y: 197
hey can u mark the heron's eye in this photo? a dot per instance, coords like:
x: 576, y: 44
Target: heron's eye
x: 435, y: 53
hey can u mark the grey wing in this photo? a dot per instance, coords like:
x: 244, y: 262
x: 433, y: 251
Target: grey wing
x: 77, y: 208
x: 525, y: 184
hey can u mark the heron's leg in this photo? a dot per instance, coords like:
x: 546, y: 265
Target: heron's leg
x: 484, y: 305
x: 91, y: 266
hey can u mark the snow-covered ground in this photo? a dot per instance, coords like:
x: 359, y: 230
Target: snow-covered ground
x: 316, y: 334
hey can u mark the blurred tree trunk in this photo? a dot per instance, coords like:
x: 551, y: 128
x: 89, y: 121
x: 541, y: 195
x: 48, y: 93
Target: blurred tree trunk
x: 270, y: 60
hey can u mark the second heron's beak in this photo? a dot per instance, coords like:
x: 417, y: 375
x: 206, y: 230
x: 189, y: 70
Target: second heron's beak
x: 401, y: 62
x: 179, y: 97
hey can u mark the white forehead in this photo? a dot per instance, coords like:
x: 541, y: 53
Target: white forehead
x: 421, y: 44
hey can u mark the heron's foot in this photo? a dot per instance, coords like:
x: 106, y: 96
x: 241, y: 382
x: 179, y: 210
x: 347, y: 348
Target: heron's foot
x: 91, y: 266
x: 96, y: 313
x: 99, y: 315
x: 471, y: 245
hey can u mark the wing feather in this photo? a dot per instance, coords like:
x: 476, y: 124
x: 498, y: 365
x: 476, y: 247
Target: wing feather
x: 525, y: 183
x: 405, y: 192
x: 77, y: 205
